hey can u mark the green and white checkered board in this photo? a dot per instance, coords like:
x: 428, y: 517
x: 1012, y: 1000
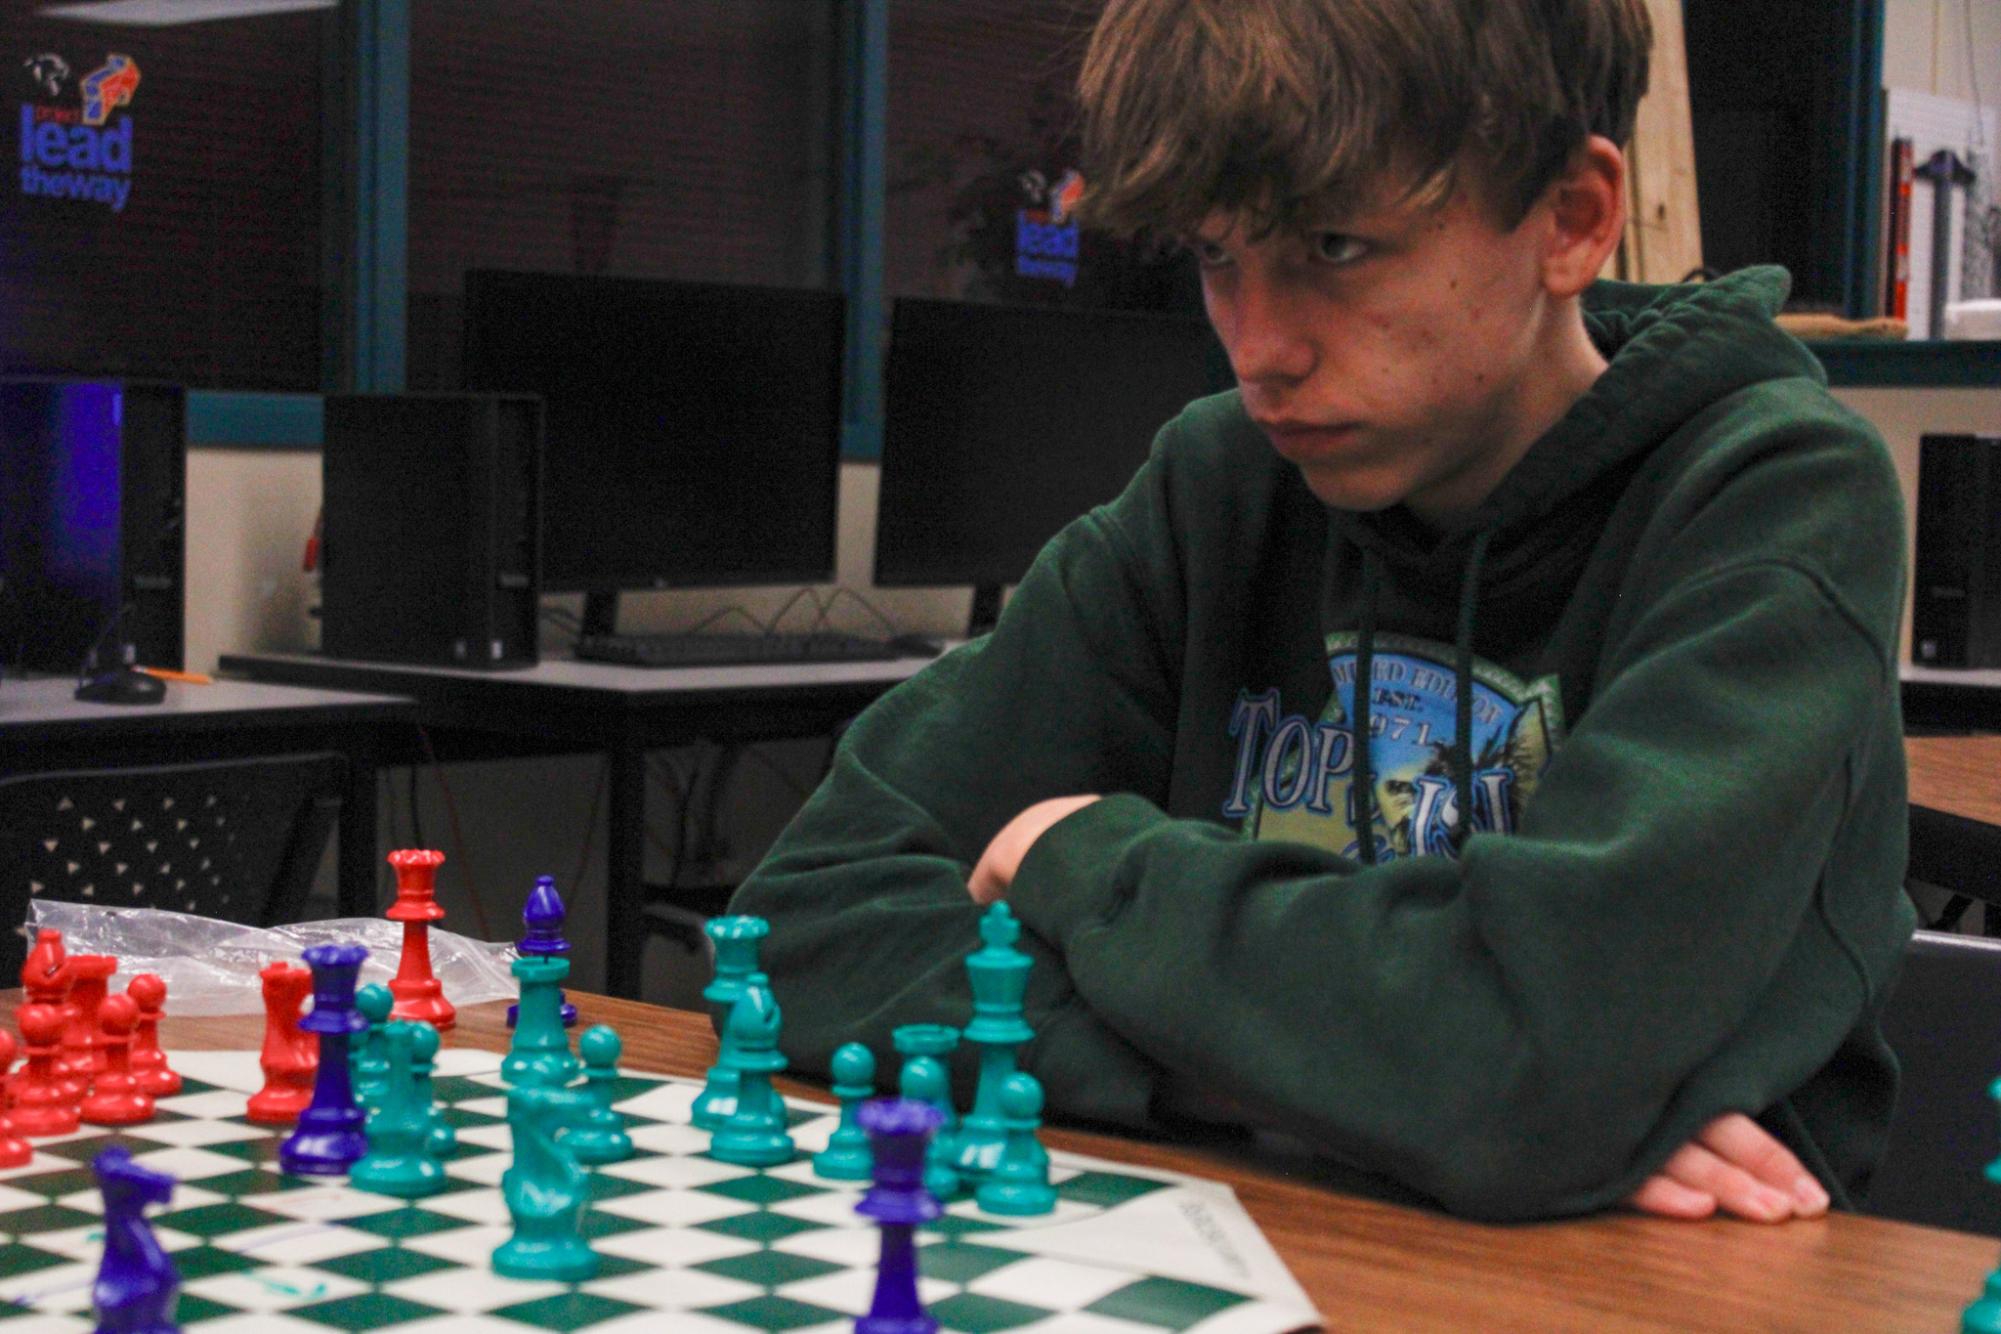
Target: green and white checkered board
x: 690, y: 1245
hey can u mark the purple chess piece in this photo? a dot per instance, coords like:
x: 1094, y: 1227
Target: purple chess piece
x: 543, y: 916
x: 329, y: 1138
x: 899, y: 1130
x: 136, y: 1282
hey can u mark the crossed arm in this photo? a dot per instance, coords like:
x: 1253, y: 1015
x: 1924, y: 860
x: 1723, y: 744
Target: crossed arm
x: 1734, y: 1165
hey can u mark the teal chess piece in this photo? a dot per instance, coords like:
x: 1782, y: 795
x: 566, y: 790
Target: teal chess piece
x: 539, y: 1055
x: 735, y: 941
x: 1983, y: 1316
x: 546, y: 1190
x: 847, y: 1156
x: 370, y: 1060
x: 924, y: 1080
x: 398, y: 1162
x: 1019, y: 1183
x: 939, y: 1040
x: 441, y: 1140
x: 754, y: 1135
x: 601, y: 1138
x: 999, y: 975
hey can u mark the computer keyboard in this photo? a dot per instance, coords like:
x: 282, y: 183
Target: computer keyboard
x: 724, y: 650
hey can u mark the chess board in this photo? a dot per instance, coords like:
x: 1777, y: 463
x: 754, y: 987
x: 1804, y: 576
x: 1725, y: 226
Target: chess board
x: 690, y: 1245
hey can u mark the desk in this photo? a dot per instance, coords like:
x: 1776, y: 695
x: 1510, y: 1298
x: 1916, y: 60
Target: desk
x: 1942, y: 697
x: 1369, y: 1265
x: 1956, y: 813
x: 562, y: 706
x: 44, y: 728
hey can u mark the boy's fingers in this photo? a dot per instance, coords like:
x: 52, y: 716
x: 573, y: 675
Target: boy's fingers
x: 1743, y: 1143
x: 1668, y: 1198
x: 1736, y: 1191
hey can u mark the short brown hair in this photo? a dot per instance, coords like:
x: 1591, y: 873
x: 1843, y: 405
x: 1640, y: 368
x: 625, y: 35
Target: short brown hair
x: 1261, y: 107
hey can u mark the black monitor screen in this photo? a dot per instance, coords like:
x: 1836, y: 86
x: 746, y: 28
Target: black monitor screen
x: 693, y: 430
x: 1003, y: 423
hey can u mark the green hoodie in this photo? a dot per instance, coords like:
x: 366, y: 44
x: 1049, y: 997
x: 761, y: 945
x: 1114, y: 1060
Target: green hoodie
x: 1680, y: 892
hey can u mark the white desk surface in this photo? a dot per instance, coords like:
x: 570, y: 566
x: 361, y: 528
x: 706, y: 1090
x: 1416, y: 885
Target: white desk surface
x: 48, y: 699
x: 568, y: 673
x: 1986, y: 678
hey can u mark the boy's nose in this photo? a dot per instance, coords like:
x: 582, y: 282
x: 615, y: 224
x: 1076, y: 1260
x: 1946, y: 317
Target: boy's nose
x: 1266, y: 338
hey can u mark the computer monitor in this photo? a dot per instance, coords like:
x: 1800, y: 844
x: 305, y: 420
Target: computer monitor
x: 1003, y: 423
x: 693, y: 429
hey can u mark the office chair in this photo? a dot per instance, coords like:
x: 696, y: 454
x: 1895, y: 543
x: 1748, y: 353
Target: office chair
x: 236, y: 840
x: 1944, y: 1023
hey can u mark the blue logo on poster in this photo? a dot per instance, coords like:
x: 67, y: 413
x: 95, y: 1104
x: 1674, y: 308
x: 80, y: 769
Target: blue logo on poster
x: 82, y: 153
x: 1045, y: 241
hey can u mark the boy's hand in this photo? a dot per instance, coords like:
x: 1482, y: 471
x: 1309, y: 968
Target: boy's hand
x: 1734, y: 1165
x: 1002, y: 858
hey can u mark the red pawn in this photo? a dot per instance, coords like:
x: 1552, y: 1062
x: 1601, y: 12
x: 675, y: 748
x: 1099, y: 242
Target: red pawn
x: 291, y: 1058
x: 83, y: 1039
x: 14, y: 1151
x: 149, y: 1064
x: 46, y: 977
x: 115, y: 1098
x: 42, y: 1105
x: 416, y: 989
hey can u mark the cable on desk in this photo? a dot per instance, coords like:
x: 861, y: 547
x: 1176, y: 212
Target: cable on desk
x: 590, y: 829
x: 458, y: 835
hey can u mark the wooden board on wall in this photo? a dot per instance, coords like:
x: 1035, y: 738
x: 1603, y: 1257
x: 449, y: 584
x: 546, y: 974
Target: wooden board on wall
x: 1663, y: 238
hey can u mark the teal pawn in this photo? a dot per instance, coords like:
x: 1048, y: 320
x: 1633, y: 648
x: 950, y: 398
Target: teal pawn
x: 847, y: 1156
x: 924, y: 1080
x: 1984, y: 1315
x: 442, y: 1140
x: 601, y: 1138
x: 539, y: 1055
x: 369, y: 1058
x: 396, y: 1163
x: 754, y: 1135
x: 1019, y: 1183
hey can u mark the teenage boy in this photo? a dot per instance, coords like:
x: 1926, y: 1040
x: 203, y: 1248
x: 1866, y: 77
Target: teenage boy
x: 1604, y: 904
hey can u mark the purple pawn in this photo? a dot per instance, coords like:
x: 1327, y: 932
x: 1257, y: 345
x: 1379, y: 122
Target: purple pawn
x: 543, y: 916
x: 329, y: 1138
x: 899, y: 1130
x: 136, y: 1281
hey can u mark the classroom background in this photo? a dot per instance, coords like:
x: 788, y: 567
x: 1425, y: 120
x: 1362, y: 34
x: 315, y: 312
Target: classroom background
x: 306, y: 185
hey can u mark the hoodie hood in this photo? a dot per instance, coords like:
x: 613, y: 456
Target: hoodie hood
x: 1671, y: 351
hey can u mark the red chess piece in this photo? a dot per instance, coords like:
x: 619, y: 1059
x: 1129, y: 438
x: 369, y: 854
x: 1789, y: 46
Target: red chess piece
x: 115, y: 1098
x: 14, y: 1151
x: 46, y: 977
x: 42, y: 1105
x: 83, y: 1039
x: 417, y: 991
x: 149, y: 1064
x: 291, y: 1057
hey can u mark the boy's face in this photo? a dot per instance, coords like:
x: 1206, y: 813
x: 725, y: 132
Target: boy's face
x: 1401, y: 353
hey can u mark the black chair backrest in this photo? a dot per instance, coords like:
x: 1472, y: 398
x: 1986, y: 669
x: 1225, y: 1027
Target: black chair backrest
x: 1944, y: 1023
x: 236, y: 840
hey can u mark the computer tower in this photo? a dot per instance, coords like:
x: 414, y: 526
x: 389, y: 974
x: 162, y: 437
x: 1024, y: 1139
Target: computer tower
x: 431, y: 550
x: 93, y: 500
x: 1956, y: 593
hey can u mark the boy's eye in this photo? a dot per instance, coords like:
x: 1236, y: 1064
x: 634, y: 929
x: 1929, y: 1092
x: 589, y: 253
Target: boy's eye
x: 1208, y: 254
x: 1337, y: 248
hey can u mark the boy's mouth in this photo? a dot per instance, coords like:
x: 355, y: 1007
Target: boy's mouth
x: 1306, y: 442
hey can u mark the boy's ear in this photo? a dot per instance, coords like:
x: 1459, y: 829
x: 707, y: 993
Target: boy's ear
x: 1587, y: 207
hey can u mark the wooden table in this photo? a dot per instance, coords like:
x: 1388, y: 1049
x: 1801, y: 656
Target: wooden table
x: 1369, y: 1265
x: 1956, y: 813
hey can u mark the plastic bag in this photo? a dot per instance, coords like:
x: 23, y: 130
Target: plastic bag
x: 211, y: 967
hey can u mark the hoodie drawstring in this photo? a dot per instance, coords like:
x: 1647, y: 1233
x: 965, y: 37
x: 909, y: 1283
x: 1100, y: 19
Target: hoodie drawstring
x: 1462, y: 742
x: 1365, y: 653
x: 1462, y: 647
